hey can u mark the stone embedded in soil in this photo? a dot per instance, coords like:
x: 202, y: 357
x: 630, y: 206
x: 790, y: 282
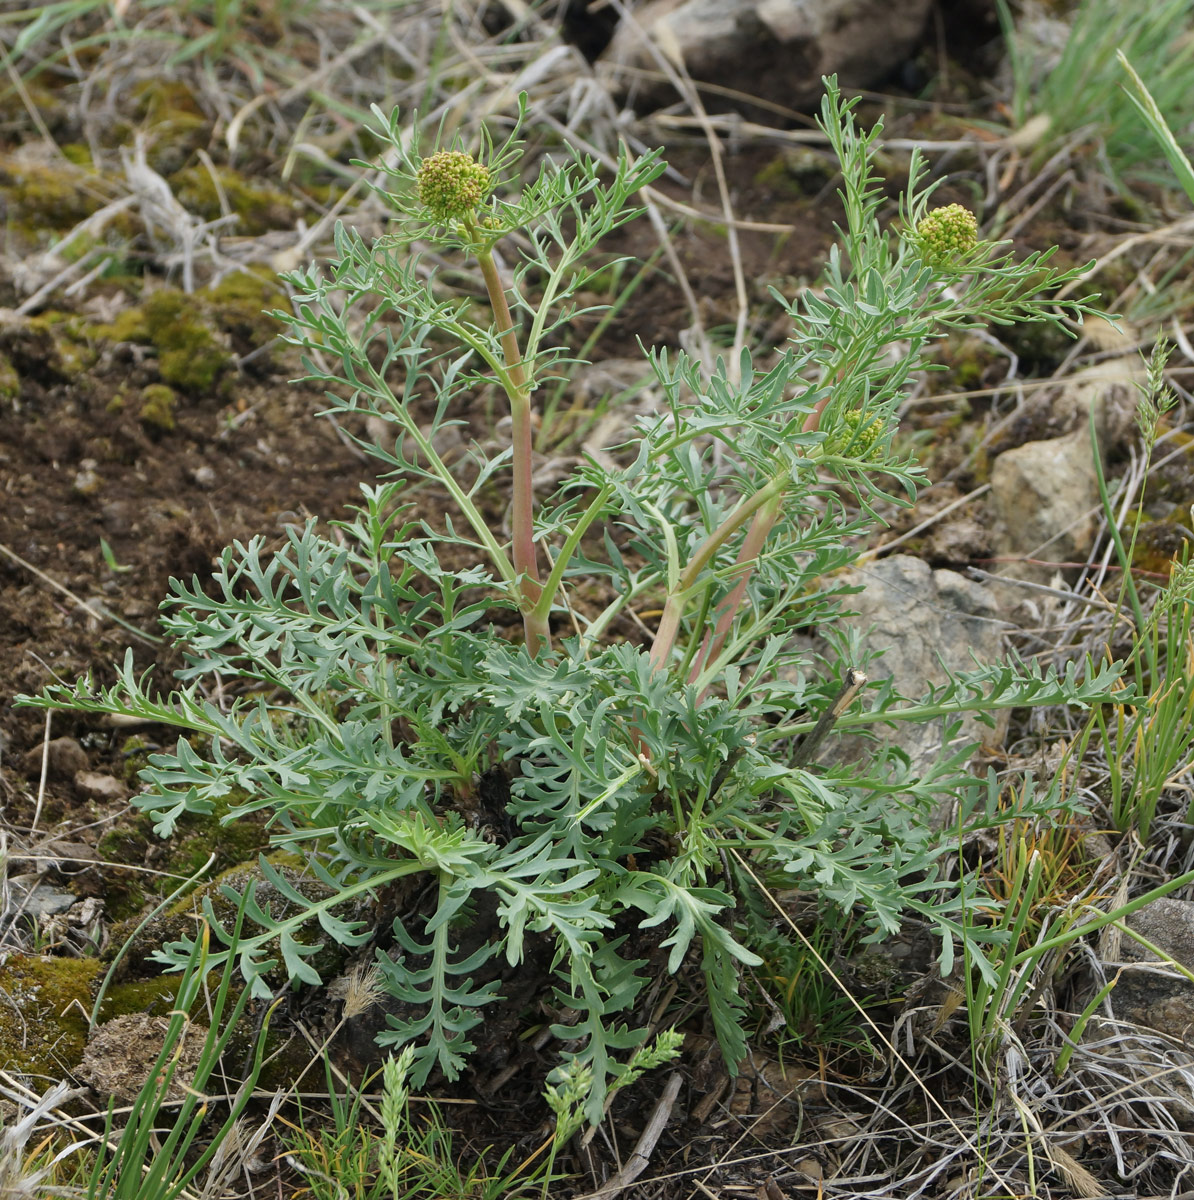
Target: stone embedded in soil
x: 92, y: 785
x: 121, y: 1053
x: 776, y: 50
x: 927, y: 624
x: 1157, y: 999
x: 1046, y: 497
x: 65, y: 758
x: 88, y: 481
x: 30, y: 897
x: 958, y: 542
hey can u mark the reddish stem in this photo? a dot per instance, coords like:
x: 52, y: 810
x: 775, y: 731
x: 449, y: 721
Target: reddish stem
x: 524, y: 552
x: 748, y: 553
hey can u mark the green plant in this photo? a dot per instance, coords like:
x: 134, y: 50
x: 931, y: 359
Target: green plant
x: 1149, y: 743
x: 1001, y: 985
x: 413, y: 1156
x: 135, y: 1165
x: 575, y: 799
x: 1148, y: 736
x: 165, y: 1143
x: 1150, y: 111
x: 1079, y: 92
x: 816, y: 1014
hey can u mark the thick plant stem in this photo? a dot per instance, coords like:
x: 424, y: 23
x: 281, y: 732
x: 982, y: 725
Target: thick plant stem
x: 752, y: 546
x: 669, y: 623
x: 523, y: 552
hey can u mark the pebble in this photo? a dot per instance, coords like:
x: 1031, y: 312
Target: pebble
x: 92, y: 785
x: 88, y: 480
x: 32, y: 898
x: 204, y: 476
x: 65, y: 758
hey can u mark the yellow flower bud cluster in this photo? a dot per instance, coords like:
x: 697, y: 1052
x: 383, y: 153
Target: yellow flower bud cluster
x: 452, y: 184
x: 946, y: 234
x: 853, y: 437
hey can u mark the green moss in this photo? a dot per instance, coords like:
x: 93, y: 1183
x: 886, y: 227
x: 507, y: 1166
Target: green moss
x: 129, y: 326
x: 795, y: 171
x: 125, y: 893
x: 188, y: 355
x: 155, y: 997
x: 10, y: 381
x: 77, y: 153
x: 259, y: 207
x: 240, y: 304
x: 38, y: 198
x: 197, y: 839
x: 178, y: 921
x: 43, y: 1022
x: 134, y: 751
x: 169, y: 110
x: 73, y: 341
x: 158, y: 402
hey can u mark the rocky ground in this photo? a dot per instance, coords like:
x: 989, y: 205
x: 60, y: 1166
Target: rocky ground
x: 148, y: 418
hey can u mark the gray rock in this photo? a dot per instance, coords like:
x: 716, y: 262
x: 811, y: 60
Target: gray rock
x: 776, y: 50
x: 92, y: 785
x: 958, y: 541
x: 927, y: 624
x: 1156, y: 998
x: 65, y: 758
x: 1046, y: 498
x: 34, y: 899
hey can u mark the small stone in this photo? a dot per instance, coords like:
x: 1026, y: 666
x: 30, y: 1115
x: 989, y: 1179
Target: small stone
x: 928, y: 625
x: 65, y: 758
x: 35, y: 899
x: 1046, y: 496
x: 92, y: 785
x: 204, y: 476
x: 958, y: 542
x: 1158, y: 999
x: 87, y: 481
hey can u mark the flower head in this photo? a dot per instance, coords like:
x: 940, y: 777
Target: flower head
x: 946, y: 234
x: 855, y: 435
x: 452, y: 183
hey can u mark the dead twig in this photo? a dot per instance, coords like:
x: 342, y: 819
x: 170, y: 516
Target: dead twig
x: 640, y: 1156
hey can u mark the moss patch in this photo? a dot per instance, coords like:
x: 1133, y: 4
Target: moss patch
x: 43, y: 1021
x: 240, y: 305
x: 190, y: 357
x: 156, y: 413
x: 198, y: 837
x: 155, y: 997
x: 178, y: 922
x: 39, y: 198
x: 10, y: 381
x: 196, y: 336
x: 169, y: 110
x: 258, y: 206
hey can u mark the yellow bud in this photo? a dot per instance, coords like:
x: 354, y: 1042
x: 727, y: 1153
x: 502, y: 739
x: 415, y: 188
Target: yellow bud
x: 452, y: 184
x: 946, y: 234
